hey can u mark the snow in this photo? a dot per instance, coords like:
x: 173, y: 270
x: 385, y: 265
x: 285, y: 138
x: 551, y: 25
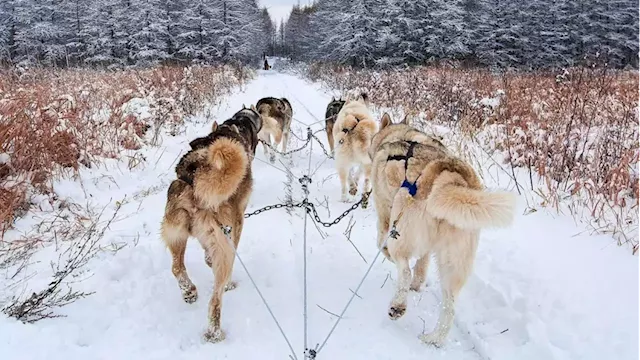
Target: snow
x: 543, y: 289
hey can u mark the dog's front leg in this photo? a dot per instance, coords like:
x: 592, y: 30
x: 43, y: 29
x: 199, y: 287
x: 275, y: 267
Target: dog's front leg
x: 354, y: 179
x: 420, y: 272
x: 383, y: 232
x: 343, y: 174
x: 265, y: 137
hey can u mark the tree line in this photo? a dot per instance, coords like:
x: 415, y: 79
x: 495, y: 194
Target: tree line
x: 495, y: 33
x: 131, y: 32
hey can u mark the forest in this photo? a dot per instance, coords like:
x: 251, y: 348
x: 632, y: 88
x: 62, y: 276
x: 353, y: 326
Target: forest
x: 363, y: 33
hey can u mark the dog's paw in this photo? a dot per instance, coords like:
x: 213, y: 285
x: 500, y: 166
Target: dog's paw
x: 214, y: 336
x: 436, y: 339
x: 415, y: 287
x: 353, y: 191
x: 397, y: 311
x: 190, y: 295
x: 230, y: 286
x: 344, y: 198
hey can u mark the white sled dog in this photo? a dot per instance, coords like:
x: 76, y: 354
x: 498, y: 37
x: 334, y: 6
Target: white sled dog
x: 434, y: 204
x: 352, y: 133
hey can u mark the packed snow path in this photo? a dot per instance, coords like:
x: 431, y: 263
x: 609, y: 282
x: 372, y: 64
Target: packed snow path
x: 538, y: 291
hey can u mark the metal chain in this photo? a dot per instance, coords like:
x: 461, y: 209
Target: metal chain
x: 324, y: 150
x: 364, y: 201
x: 309, y: 135
x: 312, y: 209
x: 271, y: 207
x: 288, y: 152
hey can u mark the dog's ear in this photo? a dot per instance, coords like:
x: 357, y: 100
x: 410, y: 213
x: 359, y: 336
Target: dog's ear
x: 214, y: 127
x: 386, y: 121
x: 235, y: 128
x: 333, y: 98
x: 363, y: 98
x: 244, y: 106
x: 253, y: 107
x: 405, y: 121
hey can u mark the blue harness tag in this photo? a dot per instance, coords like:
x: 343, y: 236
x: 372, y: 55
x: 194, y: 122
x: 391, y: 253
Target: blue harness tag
x: 411, y: 187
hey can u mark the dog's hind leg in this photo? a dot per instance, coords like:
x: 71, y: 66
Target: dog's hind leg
x: 222, y: 260
x: 399, y: 302
x: 367, y: 182
x: 420, y: 272
x: 454, y: 266
x: 285, y: 136
x: 175, y: 233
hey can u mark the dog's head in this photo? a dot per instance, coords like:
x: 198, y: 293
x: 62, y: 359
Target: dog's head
x: 243, y: 126
x: 334, y: 107
x: 386, y: 131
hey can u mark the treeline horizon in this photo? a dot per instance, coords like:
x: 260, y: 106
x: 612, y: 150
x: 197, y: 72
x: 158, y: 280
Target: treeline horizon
x: 526, y: 34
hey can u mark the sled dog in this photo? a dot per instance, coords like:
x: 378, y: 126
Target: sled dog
x: 276, y: 121
x: 212, y: 189
x: 330, y: 118
x: 352, y: 133
x: 429, y: 202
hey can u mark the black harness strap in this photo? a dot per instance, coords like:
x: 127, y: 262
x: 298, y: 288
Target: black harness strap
x: 346, y: 131
x: 411, y: 187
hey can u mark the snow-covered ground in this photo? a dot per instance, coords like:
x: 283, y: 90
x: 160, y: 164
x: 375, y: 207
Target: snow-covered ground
x: 542, y: 289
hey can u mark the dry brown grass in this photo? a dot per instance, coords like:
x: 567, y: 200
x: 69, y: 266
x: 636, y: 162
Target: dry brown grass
x: 52, y: 122
x: 577, y: 130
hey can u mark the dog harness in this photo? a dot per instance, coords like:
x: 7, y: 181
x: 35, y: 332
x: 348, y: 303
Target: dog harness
x: 411, y: 187
x: 347, y: 131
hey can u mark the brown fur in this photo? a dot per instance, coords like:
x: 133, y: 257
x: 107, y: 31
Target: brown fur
x: 226, y: 166
x: 443, y: 218
x: 352, y: 133
x: 212, y: 190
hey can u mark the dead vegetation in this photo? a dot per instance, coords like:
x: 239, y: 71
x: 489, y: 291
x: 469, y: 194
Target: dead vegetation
x: 52, y: 122
x: 575, y: 132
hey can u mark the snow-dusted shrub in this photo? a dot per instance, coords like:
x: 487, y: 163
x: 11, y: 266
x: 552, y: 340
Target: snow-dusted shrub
x: 54, y: 121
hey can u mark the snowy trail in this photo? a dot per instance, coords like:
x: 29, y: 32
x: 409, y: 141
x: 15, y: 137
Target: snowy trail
x: 539, y: 291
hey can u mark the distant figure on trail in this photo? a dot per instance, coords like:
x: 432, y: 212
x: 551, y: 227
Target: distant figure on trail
x: 266, y: 65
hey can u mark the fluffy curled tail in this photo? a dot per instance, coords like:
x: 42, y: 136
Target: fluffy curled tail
x: 226, y: 167
x: 469, y: 208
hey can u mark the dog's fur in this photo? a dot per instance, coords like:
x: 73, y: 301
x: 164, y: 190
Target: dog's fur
x: 276, y: 119
x: 443, y: 218
x: 352, y: 133
x: 330, y: 116
x: 212, y: 190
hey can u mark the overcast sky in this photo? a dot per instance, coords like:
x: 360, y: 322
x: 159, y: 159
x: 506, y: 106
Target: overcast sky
x: 280, y: 9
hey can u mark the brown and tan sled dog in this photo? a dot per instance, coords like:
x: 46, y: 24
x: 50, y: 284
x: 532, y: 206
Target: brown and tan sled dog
x: 352, y: 133
x: 212, y: 190
x: 276, y: 121
x: 438, y: 205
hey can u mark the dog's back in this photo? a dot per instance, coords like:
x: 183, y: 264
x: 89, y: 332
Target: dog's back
x: 353, y: 129
x: 278, y: 109
x: 448, y: 186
